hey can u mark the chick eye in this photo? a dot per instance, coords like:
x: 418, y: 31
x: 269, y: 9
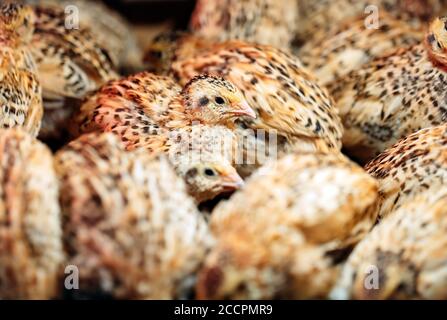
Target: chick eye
x: 209, y: 172
x: 219, y: 100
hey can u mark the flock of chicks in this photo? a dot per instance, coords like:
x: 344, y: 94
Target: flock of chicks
x: 118, y: 196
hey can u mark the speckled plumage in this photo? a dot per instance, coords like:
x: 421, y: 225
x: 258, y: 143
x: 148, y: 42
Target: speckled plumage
x: 31, y: 252
x: 277, y: 243
x: 108, y: 27
x: 284, y: 95
x: 394, y: 96
x: 260, y: 21
x: 414, y: 165
x: 129, y: 225
x: 71, y: 63
x: 167, y: 46
x: 407, y: 251
x: 20, y: 90
x: 348, y: 46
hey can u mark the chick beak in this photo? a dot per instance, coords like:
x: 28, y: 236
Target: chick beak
x: 232, y: 182
x: 243, y: 109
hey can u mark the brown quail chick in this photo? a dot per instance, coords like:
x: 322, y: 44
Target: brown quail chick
x: 403, y: 257
x: 414, y: 165
x: 110, y: 30
x: 348, y: 46
x: 129, y: 227
x: 151, y: 112
x: 71, y: 63
x: 279, y: 243
x: 319, y: 16
x: 20, y: 90
x: 260, y: 21
x: 394, y: 96
x: 285, y: 96
x: 31, y: 252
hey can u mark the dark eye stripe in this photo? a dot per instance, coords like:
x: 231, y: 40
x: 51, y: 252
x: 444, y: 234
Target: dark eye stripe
x: 191, y: 173
x: 203, y: 101
x: 431, y: 38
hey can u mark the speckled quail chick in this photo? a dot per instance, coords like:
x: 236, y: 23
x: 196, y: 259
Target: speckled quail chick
x: 403, y: 257
x: 20, y: 90
x: 260, y: 21
x: 285, y: 96
x: 349, y: 45
x: 108, y: 27
x: 415, y: 164
x: 71, y: 63
x: 31, y: 251
x: 129, y: 225
x: 394, y: 96
x: 278, y: 243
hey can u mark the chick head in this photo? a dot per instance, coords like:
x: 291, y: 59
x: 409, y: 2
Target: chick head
x: 205, y: 180
x: 214, y: 100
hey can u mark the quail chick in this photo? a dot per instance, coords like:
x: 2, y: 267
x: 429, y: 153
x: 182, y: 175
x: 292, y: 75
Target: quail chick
x: 154, y: 113
x: 129, y: 225
x: 414, y: 165
x: 20, y: 90
x: 318, y: 17
x: 71, y: 63
x: 259, y: 21
x: 109, y: 29
x: 285, y: 96
x: 403, y: 257
x: 278, y: 243
x: 394, y: 96
x: 348, y: 46
x: 31, y: 252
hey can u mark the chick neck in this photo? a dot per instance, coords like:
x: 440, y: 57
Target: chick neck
x: 178, y: 114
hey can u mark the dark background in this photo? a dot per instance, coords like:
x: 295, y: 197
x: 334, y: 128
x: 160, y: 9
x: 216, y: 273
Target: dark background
x: 154, y: 11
